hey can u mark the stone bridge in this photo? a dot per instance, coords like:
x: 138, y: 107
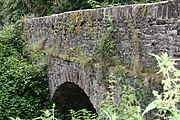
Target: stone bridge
x: 71, y: 38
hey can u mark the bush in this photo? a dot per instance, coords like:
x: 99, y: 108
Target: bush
x: 167, y: 102
x: 23, y: 86
x: 107, y: 3
x: 12, y: 10
x: 68, y: 5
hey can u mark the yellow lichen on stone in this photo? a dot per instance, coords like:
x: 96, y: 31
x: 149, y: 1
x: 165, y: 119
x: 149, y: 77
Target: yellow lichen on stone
x: 80, y: 18
x: 145, y: 10
x: 64, y: 16
x: 90, y: 14
x: 77, y: 30
x: 53, y: 19
x: 40, y: 45
x: 138, y: 13
x: 73, y: 19
x: 74, y: 59
x: 98, y: 25
x: 70, y: 28
x: 76, y: 20
x: 59, y: 25
x: 60, y: 17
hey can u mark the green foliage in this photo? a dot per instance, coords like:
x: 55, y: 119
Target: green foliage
x: 47, y: 115
x: 23, y: 86
x: 82, y: 115
x: 106, y: 45
x: 167, y: 101
x: 120, y: 105
x: 108, y: 3
x: 94, y: 3
x: 12, y: 10
x: 74, y: 115
x: 68, y: 5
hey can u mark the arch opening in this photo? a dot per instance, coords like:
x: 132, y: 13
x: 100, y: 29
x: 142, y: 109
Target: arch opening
x: 70, y: 96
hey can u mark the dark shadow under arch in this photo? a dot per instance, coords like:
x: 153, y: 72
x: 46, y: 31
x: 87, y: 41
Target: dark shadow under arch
x: 71, y: 96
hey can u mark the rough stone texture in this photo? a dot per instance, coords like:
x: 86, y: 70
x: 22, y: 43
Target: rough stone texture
x: 61, y: 71
x: 141, y: 29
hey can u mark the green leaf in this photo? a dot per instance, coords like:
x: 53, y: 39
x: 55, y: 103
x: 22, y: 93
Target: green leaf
x: 17, y: 118
x: 177, y: 73
x: 175, y: 117
x: 154, y: 104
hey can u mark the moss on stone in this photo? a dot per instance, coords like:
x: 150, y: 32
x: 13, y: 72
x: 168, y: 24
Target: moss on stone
x: 80, y: 18
x: 41, y: 45
x: 138, y: 13
x: 60, y: 17
x: 73, y: 19
x: 64, y: 15
x: 90, y: 15
x: 145, y: 10
x: 77, y: 30
x: 53, y: 19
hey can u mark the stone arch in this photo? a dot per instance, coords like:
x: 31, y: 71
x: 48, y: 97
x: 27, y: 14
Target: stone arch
x: 70, y: 96
x: 61, y: 71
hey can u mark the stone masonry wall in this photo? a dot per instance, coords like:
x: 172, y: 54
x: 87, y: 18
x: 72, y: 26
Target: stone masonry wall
x: 140, y: 29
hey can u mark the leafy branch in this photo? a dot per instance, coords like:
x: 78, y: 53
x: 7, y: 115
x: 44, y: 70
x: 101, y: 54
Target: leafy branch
x: 167, y: 101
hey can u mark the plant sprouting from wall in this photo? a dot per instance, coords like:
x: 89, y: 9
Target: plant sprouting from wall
x: 106, y: 48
